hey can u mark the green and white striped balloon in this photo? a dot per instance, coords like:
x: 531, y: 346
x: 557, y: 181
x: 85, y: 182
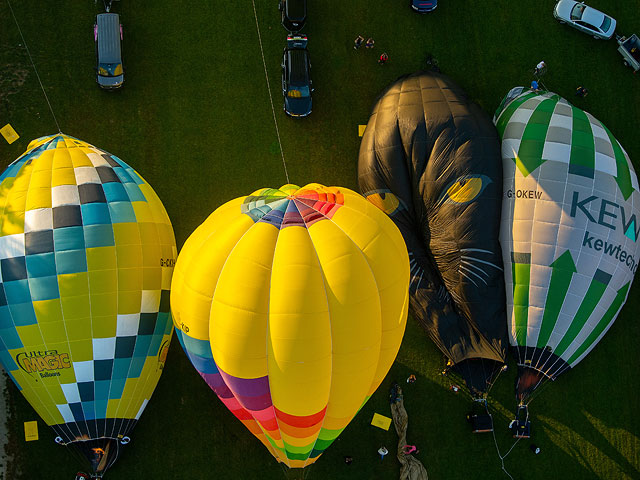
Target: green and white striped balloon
x: 569, y: 231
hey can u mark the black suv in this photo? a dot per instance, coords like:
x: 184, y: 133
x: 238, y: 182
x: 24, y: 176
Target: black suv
x: 294, y: 14
x: 296, y: 77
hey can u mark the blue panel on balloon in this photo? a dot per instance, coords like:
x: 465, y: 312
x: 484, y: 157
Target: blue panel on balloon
x: 99, y: 236
x: 135, y: 195
x: 44, y: 288
x: 73, y: 261
x: 122, y: 212
x: 117, y: 387
x: 121, y: 368
x: 23, y: 314
x: 102, y: 388
x: 7, y: 361
x: 201, y: 348
x: 115, y: 192
x: 137, y: 363
x: 202, y: 364
x: 101, y: 408
x: 142, y: 345
x: 123, y: 175
x: 17, y: 292
x: 89, y: 411
x: 41, y: 265
x: 96, y: 213
x: 5, y: 317
x: 70, y: 238
x: 154, y: 348
x: 11, y: 338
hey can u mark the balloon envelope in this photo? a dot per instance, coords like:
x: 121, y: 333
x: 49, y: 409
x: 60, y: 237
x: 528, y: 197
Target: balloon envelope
x: 431, y: 160
x: 86, y: 257
x: 291, y: 303
x: 569, y: 231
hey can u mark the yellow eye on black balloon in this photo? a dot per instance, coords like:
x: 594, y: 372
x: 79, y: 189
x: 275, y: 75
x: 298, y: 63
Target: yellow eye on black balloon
x: 385, y: 201
x: 464, y: 190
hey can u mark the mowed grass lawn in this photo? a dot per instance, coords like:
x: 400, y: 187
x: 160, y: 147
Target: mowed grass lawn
x: 195, y: 119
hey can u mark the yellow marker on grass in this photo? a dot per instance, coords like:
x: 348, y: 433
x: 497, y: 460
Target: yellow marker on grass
x: 381, y: 421
x: 9, y: 133
x: 31, y: 431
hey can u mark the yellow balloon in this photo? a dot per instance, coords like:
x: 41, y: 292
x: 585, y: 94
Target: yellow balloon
x: 292, y: 303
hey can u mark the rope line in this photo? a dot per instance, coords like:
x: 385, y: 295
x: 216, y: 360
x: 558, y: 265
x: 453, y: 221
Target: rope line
x: 495, y: 442
x: 266, y: 76
x: 34, y: 66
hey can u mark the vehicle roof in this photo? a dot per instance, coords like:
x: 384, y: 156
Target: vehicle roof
x: 109, y: 38
x: 593, y: 17
x: 296, y: 9
x: 298, y: 65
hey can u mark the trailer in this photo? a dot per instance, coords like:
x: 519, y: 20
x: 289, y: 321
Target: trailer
x: 629, y: 48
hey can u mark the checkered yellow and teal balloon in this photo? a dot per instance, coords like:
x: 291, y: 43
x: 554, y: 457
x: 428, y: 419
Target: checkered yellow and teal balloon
x: 291, y: 303
x: 86, y: 257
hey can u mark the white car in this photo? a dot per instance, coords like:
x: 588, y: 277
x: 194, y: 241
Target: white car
x: 584, y: 18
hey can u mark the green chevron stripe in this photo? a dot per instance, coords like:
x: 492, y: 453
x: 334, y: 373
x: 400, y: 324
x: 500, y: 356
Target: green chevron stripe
x: 609, y: 315
x: 529, y: 156
x: 592, y: 298
x: 510, y: 110
x: 583, y: 155
x: 521, y: 274
x: 562, y: 272
x: 623, y: 175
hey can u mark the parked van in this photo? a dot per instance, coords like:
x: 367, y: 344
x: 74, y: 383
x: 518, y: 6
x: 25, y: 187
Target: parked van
x: 107, y: 33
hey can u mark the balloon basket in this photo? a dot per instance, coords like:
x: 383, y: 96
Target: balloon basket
x: 296, y: 473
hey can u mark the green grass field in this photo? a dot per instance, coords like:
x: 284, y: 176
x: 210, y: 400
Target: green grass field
x: 195, y: 119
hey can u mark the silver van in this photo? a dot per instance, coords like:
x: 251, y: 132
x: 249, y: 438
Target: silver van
x: 107, y: 33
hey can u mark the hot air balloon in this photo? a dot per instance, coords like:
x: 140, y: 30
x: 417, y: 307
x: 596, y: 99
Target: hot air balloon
x: 431, y: 160
x: 291, y: 303
x: 569, y: 232
x: 86, y: 256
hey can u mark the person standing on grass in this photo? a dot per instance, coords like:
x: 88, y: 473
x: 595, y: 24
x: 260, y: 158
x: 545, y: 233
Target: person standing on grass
x: 409, y: 449
x: 383, y: 59
x: 581, y: 91
x: 382, y: 451
x: 540, y: 68
x: 357, y: 43
x: 369, y: 43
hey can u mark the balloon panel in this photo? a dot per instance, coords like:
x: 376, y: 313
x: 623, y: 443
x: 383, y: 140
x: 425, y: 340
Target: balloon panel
x: 430, y: 159
x: 569, y: 229
x: 291, y: 304
x: 86, y: 257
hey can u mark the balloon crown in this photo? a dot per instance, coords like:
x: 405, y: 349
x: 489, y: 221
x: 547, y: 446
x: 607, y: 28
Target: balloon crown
x: 291, y: 205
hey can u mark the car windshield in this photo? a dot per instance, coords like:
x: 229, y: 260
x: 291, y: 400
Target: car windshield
x: 298, y: 92
x: 606, y: 23
x: 577, y: 11
x: 110, y: 69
